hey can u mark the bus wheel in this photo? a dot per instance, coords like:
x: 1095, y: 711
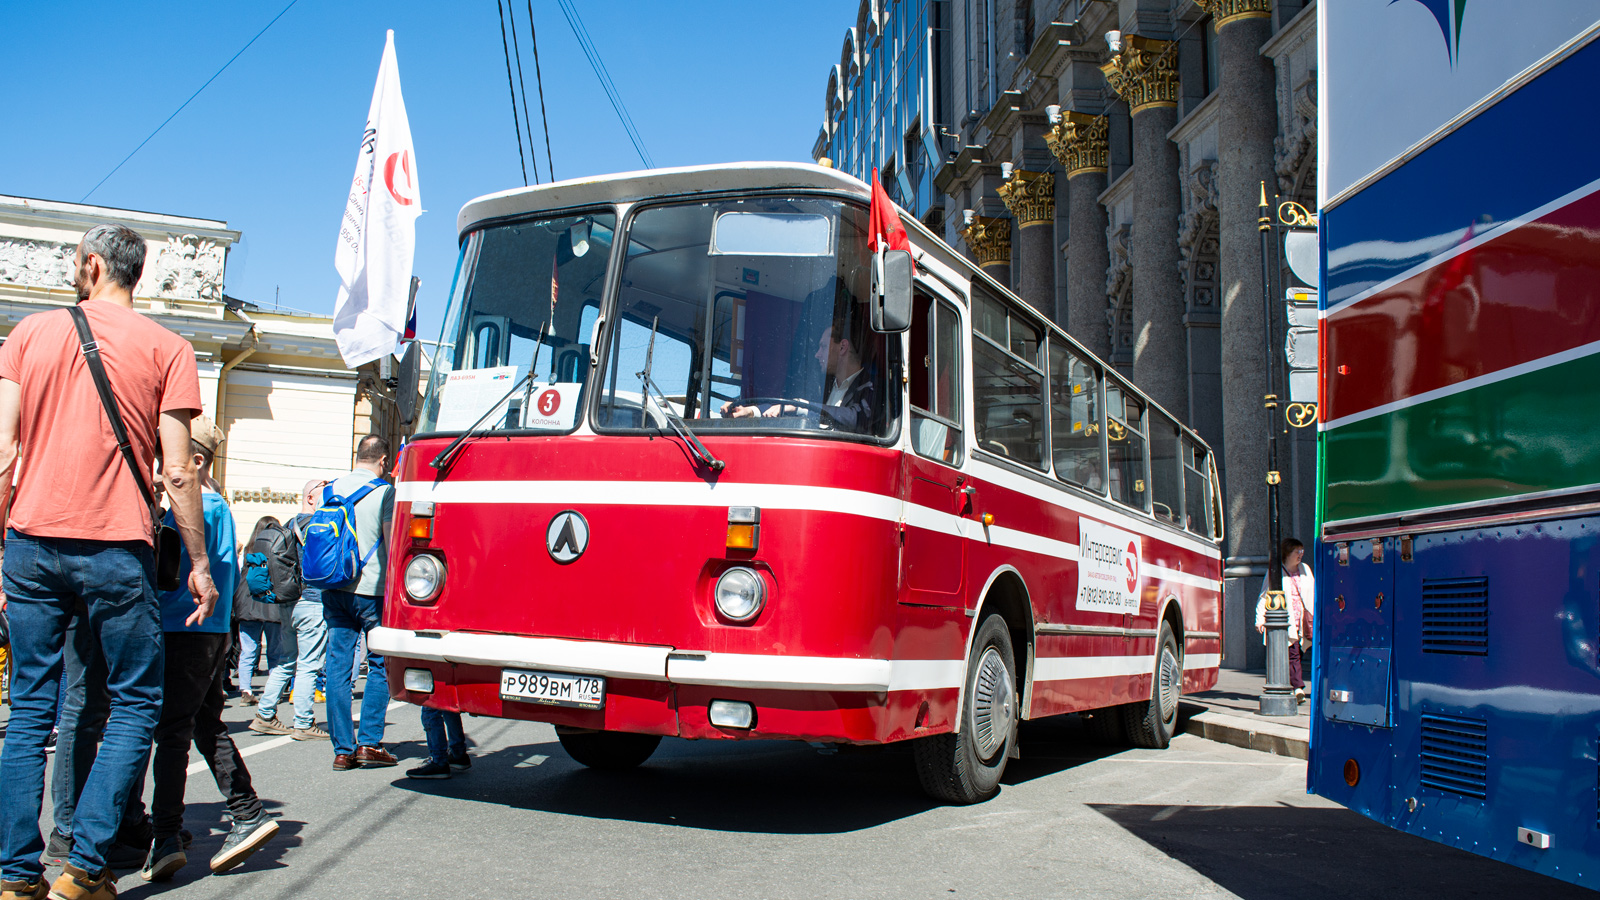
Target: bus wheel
x: 966, y: 767
x: 1151, y: 723
x: 609, y: 750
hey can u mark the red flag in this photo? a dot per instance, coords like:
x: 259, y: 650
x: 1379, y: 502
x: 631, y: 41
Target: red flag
x: 885, y: 221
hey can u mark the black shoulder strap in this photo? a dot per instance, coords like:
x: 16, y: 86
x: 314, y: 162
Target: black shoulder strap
x: 97, y: 368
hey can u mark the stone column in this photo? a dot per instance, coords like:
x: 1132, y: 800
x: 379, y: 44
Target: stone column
x: 1080, y: 144
x: 990, y: 242
x: 1145, y: 74
x: 1248, y: 119
x: 1031, y: 197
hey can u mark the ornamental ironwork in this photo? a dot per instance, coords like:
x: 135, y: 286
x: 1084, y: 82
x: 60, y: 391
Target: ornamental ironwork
x: 990, y: 240
x: 1031, y: 197
x: 1080, y: 142
x: 1145, y: 73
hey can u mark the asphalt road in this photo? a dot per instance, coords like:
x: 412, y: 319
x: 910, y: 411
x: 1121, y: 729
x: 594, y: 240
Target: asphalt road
x: 779, y: 820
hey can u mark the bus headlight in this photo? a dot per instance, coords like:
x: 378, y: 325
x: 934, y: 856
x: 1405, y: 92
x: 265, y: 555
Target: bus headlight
x: 740, y: 594
x: 424, y: 577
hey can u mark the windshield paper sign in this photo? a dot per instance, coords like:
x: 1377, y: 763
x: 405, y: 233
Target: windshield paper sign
x: 1108, y: 568
x: 552, y: 406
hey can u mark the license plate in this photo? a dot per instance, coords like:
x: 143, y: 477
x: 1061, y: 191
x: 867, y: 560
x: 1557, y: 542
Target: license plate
x: 553, y: 688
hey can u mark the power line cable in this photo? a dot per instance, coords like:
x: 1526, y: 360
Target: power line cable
x: 516, y: 126
x: 187, y: 102
x: 549, y: 159
x: 527, y: 120
x: 599, y: 67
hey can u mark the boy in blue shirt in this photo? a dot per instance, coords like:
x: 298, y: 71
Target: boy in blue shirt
x: 192, y: 702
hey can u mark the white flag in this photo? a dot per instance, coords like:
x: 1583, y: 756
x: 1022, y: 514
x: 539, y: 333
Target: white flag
x: 378, y: 235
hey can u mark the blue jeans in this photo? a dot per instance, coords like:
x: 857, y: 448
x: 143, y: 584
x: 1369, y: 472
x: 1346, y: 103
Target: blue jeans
x: 311, y: 640
x: 45, y: 580
x: 446, y: 739
x: 350, y: 617
x: 255, y: 640
x: 282, y: 650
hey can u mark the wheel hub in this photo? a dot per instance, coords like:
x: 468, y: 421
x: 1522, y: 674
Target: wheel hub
x: 1171, y: 678
x: 994, y: 711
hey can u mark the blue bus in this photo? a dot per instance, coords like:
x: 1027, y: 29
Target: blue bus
x: 1458, y: 566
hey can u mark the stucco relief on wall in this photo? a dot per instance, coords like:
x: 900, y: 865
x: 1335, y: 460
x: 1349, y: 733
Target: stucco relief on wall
x: 186, y: 267
x: 44, y: 264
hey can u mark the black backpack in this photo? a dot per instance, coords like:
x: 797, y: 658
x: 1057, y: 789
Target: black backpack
x: 272, y: 566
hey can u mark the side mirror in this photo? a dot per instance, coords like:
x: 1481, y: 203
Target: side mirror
x: 406, y: 384
x: 891, y: 303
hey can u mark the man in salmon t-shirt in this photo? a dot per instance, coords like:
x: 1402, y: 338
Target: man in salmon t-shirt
x: 78, y: 537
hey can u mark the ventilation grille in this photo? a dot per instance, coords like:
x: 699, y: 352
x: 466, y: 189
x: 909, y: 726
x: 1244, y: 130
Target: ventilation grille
x: 1455, y: 616
x: 1455, y: 755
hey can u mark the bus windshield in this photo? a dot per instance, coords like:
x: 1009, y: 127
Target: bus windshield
x: 752, y: 314
x: 527, y: 298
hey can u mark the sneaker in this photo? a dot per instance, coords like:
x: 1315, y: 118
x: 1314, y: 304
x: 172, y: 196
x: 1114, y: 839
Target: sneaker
x: 165, y: 859
x: 76, y: 884
x: 461, y: 763
x: 50, y: 742
x: 185, y: 838
x: 269, y: 726
x: 319, y: 696
x: 59, y: 848
x: 433, y: 768
x: 246, y: 838
x: 247, y: 698
x: 376, y: 757
x: 24, y: 890
x: 310, y: 733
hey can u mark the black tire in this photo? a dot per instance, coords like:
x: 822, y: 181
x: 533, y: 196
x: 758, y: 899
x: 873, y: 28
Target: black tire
x: 1151, y: 723
x: 611, y: 751
x: 966, y: 767
x: 1106, y: 726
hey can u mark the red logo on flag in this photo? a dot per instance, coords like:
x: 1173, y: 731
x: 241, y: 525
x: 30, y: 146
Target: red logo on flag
x: 404, y: 159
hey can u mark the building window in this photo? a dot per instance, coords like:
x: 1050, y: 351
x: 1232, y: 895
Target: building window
x: 1212, y: 56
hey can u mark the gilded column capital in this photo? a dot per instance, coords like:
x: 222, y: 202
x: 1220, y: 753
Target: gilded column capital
x: 990, y: 240
x: 1145, y: 73
x: 1225, y: 11
x: 1080, y: 142
x: 1031, y: 197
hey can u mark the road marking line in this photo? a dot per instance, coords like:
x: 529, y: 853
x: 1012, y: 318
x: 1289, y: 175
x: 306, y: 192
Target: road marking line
x: 355, y: 716
x: 531, y: 761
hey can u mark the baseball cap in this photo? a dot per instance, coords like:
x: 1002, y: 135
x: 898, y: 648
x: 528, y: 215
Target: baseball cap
x: 206, y: 433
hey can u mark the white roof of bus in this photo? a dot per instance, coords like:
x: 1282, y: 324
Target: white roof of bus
x: 654, y: 183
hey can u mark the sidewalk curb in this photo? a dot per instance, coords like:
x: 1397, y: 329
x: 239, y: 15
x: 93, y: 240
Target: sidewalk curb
x: 1246, y: 732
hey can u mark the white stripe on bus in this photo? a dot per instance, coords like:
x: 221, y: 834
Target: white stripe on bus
x: 768, y: 496
x: 742, y: 670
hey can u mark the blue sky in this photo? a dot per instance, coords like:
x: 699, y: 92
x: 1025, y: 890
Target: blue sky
x: 270, y: 146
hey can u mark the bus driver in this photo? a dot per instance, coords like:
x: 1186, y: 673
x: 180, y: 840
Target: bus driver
x: 850, y: 389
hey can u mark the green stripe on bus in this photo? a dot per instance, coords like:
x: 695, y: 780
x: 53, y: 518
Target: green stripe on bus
x: 1532, y: 433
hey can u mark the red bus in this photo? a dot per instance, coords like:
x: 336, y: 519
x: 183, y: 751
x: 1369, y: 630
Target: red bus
x: 685, y: 467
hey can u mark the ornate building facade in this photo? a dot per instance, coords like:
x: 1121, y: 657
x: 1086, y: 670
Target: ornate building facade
x: 272, y: 379
x: 1105, y: 159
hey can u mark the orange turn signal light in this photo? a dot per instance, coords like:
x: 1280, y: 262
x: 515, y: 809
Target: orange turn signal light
x: 741, y: 537
x: 1352, y: 772
x: 988, y: 519
x: 421, y: 529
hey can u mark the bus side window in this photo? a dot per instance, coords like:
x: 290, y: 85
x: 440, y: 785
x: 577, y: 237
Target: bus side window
x: 1126, y: 445
x: 935, y: 367
x: 1075, y: 420
x: 1196, y: 489
x: 1166, y: 475
x: 1008, y: 383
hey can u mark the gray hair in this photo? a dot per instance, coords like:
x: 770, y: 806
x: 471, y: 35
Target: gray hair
x: 122, y: 250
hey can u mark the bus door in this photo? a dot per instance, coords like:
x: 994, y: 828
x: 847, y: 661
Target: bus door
x: 938, y: 500
x: 1355, y: 614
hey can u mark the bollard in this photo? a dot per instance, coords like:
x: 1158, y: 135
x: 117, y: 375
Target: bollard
x: 1277, y: 698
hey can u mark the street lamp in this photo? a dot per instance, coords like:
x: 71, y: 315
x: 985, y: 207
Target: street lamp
x: 1277, y: 697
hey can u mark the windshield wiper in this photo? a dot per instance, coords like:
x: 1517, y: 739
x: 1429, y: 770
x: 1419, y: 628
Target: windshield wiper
x: 660, y: 399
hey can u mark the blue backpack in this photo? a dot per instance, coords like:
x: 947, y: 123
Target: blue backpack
x: 331, y: 557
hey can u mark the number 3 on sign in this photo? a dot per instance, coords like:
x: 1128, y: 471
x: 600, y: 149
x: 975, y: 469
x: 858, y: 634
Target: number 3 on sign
x: 553, y: 406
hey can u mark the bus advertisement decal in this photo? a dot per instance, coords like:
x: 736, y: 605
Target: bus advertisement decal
x: 1108, y: 568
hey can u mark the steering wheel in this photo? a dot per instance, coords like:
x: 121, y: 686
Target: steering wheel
x: 758, y: 401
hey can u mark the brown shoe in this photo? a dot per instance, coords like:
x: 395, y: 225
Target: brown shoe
x: 76, y: 884
x: 24, y: 890
x: 376, y: 757
x: 344, y: 762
